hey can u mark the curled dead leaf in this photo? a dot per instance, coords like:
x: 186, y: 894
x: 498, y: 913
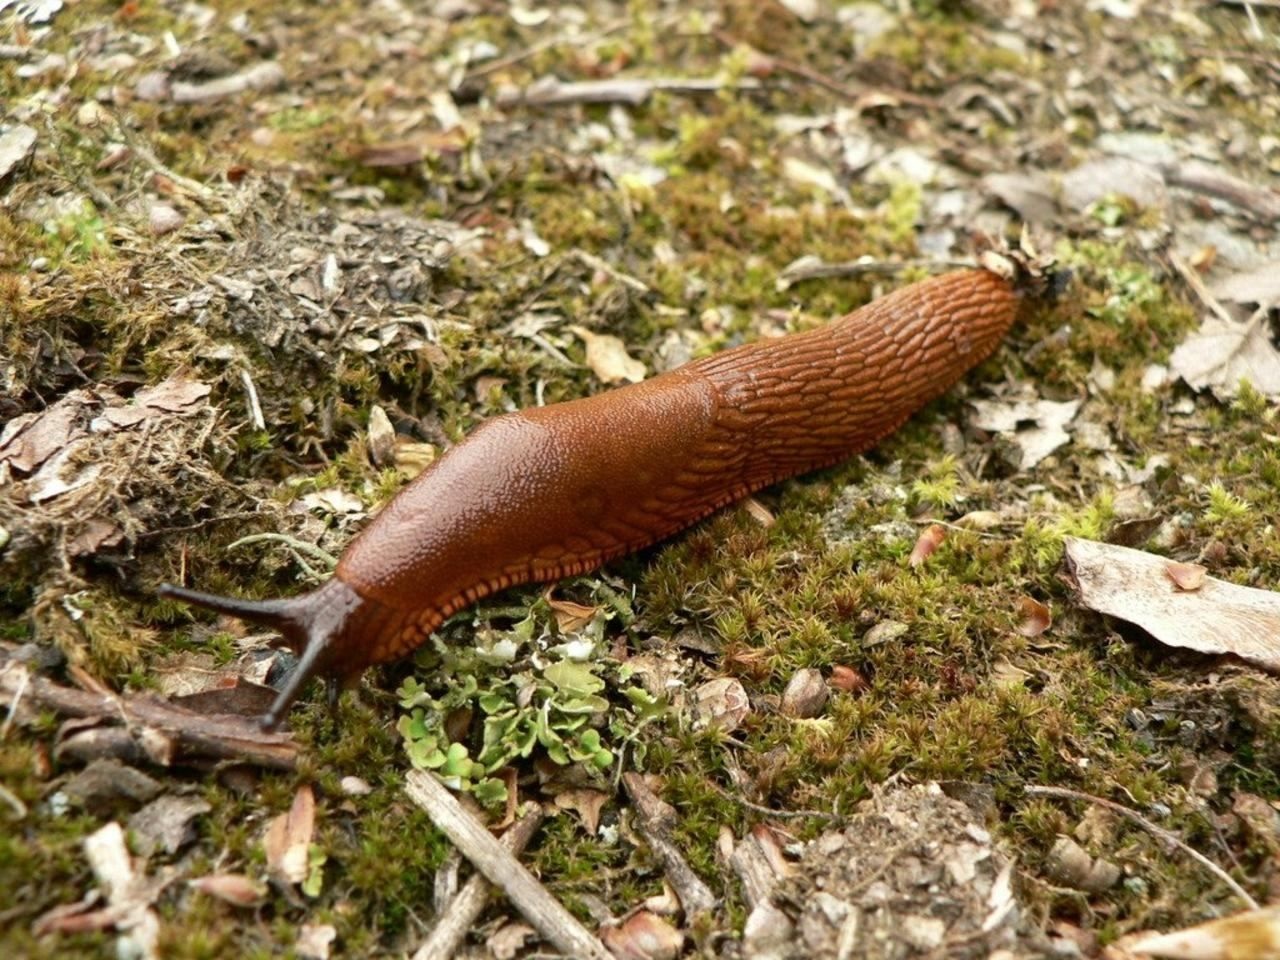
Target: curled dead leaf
x: 233, y: 888
x: 1186, y: 576
x: 1034, y: 617
x: 288, y: 838
x: 930, y: 540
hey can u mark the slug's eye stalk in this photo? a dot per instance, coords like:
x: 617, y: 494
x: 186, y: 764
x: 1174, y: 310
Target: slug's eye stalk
x: 314, y: 626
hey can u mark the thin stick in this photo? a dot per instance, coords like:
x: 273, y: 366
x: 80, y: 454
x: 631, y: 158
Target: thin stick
x: 814, y: 268
x: 1167, y: 836
x: 531, y: 898
x: 781, y: 814
x: 653, y: 819
x: 459, y: 917
x: 1192, y: 280
x: 493, y: 66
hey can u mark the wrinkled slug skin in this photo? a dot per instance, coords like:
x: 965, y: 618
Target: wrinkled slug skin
x: 558, y: 490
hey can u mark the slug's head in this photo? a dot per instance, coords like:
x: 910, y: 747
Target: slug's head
x: 332, y: 630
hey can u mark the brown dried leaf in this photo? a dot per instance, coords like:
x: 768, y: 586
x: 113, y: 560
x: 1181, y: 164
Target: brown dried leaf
x: 288, y: 838
x: 571, y: 616
x: 1035, y: 617
x: 314, y: 940
x: 29, y: 440
x: 644, y: 936
x: 759, y: 512
x: 1252, y: 935
x: 930, y: 539
x: 847, y: 679
x: 721, y: 703
x: 177, y: 394
x: 608, y: 358
x: 509, y: 940
x: 1186, y: 576
x: 1218, y: 618
x: 235, y: 888
x: 1221, y: 353
x: 586, y: 803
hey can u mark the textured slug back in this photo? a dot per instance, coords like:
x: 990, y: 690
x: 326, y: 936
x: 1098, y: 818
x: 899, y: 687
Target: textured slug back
x: 553, y: 491
x: 813, y: 399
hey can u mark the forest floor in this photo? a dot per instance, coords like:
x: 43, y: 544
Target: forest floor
x: 261, y: 264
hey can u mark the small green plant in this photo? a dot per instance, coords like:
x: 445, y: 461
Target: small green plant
x: 554, y: 700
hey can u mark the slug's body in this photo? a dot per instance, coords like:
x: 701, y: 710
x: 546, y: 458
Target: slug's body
x: 559, y: 490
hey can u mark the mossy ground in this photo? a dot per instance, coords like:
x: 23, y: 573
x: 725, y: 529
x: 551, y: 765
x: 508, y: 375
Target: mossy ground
x: 709, y: 240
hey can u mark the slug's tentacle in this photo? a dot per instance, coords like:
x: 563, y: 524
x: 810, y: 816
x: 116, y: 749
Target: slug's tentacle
x: 323, y: 628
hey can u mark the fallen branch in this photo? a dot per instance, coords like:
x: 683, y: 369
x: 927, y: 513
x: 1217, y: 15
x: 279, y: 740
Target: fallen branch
x: 1254, y: 201
x: 550, y: 92
x: 531, y: 898
x: 166, y: 733
x: 459, y: 917
x: 861, y: 98
x: 815, y: 268
x: 655, y: 818
x: 1167, y: 836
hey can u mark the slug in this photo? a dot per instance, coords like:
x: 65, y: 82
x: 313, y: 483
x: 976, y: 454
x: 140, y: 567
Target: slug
x: 559, y: 490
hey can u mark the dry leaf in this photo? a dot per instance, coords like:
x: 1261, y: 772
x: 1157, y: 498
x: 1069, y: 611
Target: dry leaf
x: 586, y: 803
x: 1221, y: 353
x: 571, y: 616
x: 1219, y: 618
x: 608, y: 358
x: 314, y: 940
x: 1037, y: 427
x: 510, y: 939
x: 288, y: 838
x: 847, y: 679
x: 177, y: 394
x: 720, y: 703
x: 644, y: 936
x: 759, y: 512
x: 166, y: 824
x: 1187, y: 576
x: 1036, y: 618
x: 930, y: 539
x: 1253, y: 935
x: 382, y: 438
x: 234, y: 888
x: 1029, y: 194
x: 29, y: 440
x: 1096, y: 179
x: 1257, y: 286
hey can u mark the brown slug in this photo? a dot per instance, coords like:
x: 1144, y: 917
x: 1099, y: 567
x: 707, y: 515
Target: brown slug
x: 553, y: 491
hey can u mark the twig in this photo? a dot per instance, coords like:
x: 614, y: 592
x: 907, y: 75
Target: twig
x: 493, y: 66
x: 1167, y: 836
x: 293, y: 543
x: 815, y: 268
x: 459, y: 917
x: 781, y: 814
x: 654, y: 819
x: 1192, y: 280
x: 1254, y: 201
x: 871, y: 96
x: 167, y: 732
x: 531, y: 898
x: 255, y: 407
x: 595, y: 263
x: 550, y: 92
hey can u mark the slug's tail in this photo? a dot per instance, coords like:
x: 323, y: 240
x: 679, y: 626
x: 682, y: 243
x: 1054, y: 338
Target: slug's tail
x: 313, y: 626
